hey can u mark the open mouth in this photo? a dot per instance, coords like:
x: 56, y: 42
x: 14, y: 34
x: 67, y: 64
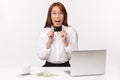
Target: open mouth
x: 57, y: 21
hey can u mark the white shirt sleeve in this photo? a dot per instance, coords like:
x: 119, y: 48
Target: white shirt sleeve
x: 43, y: 52
x: 73, y: 42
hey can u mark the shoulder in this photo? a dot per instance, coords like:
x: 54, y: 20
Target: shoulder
x: 69, y: 29
x: 44, y: 30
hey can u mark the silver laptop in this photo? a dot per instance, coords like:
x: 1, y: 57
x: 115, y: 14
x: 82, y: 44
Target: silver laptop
x: 87, y: 62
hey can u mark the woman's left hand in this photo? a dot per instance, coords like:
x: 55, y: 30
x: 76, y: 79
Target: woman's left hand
x: 63, y: 36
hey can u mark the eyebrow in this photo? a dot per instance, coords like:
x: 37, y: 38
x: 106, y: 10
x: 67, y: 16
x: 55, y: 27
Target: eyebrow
x: 56, y: 11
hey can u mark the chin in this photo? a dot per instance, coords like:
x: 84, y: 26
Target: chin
x: 57, y: 25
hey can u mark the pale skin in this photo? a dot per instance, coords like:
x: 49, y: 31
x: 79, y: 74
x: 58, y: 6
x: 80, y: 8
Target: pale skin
x: 57, y: 18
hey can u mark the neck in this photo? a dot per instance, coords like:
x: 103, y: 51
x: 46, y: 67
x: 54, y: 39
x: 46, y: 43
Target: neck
x: 57, y: 26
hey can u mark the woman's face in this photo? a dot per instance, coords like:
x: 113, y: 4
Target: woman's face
x: 57, y: 16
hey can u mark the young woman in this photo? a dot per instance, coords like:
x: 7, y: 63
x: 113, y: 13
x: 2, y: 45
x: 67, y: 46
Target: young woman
x: 57, y: 39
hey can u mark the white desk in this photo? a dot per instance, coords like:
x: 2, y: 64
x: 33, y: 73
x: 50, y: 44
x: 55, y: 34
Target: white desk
x: 12, y: 74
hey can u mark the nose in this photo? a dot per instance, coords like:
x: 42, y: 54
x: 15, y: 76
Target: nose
x: 57, y: 15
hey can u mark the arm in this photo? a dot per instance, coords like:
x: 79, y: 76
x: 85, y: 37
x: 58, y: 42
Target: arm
x: 72, y: 41
x: 43, y: 46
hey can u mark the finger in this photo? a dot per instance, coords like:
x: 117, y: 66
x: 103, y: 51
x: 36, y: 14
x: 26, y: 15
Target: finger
x: 50, y: 34
x: 52, y: 29
x: 63, y: 30
x: 62, y: 35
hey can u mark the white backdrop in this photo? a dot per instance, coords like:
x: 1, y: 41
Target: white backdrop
x: 96, y: 21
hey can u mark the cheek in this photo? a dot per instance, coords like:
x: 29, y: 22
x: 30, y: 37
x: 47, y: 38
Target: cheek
x: 52, y: 18
x: 62, y: 18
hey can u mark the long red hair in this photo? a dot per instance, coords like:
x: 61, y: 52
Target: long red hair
x: 62, y: 8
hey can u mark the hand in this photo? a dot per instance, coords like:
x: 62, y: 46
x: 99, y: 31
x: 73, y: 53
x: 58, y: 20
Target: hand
x: 50, y: 38
x: 50, y: 35
x: 63, y: 36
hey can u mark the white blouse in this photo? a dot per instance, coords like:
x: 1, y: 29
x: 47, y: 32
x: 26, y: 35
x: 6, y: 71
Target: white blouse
x: 58, y: 53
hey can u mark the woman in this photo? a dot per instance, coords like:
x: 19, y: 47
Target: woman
x: 57, y: 39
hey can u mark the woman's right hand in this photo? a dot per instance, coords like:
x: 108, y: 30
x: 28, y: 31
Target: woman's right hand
x: 50, y: 38
x: 50, y: 35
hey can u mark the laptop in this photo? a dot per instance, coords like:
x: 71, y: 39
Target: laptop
x: 87, y: 63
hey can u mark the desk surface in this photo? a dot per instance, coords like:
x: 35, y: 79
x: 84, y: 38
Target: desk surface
x: 59, y: 74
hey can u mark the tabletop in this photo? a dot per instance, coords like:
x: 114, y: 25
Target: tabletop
x: 53, y: 73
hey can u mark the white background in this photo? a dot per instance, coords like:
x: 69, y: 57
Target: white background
x: 96, y: 21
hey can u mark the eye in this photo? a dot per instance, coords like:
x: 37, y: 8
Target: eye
x: 61, y: 13
x: 54, y: 13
